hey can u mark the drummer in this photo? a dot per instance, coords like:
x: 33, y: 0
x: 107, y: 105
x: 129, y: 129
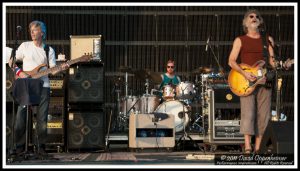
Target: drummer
x: 169, y: 78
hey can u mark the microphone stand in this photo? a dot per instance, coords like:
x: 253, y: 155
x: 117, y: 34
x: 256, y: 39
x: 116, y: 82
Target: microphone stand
x: 12, y: 147
x: 221, y: 70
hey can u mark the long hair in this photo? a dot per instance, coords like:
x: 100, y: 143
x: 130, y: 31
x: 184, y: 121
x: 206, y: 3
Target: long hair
x: 41, y: 25
x: 261, y: 25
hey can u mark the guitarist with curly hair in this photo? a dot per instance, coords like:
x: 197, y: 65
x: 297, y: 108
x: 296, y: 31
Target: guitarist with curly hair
x: 255, y: 106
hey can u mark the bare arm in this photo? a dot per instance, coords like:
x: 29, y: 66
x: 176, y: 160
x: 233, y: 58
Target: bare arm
x: 237, y: 44
x: 271, y: 52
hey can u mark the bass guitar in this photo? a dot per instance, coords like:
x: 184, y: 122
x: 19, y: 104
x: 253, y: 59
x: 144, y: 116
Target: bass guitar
x: 38, y: 72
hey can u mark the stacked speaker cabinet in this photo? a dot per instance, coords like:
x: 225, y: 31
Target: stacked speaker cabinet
x: 86, y: 117
x: 86, y: 114
x: 151, y: 131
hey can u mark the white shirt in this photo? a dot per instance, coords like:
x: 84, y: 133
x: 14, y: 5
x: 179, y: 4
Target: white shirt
x: 33, y: 56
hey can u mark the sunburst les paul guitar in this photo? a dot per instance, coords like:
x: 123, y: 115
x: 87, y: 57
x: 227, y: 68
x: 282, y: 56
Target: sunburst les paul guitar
x: 241, y: 86
x: 37, y: 72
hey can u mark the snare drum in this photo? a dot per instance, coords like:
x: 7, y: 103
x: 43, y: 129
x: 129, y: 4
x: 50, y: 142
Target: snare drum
x: 168, y: 92
x: 185, y: 90
x: 148, y: 103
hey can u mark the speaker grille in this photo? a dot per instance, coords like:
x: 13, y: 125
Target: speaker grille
x: 86, y: 130
x: 86, y: 84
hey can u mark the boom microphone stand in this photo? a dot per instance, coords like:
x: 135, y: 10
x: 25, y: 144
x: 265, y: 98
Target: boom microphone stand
x: 12, y: 146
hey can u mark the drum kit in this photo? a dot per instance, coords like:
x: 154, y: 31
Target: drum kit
x: 174, y: 100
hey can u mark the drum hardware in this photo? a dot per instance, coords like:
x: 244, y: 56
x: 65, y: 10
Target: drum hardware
x: 185, y: 135
x: 185, y: 90
x: 196, y: 124
x: 127, y: 70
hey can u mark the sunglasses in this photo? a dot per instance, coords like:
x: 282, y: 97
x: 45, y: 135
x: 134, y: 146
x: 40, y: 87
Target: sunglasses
x: 170, y: 66
x: 252, y: 16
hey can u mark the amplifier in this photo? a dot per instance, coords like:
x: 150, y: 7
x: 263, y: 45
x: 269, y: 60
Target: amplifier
x: 57, y: 84
x: 55, y: 125
x: 227, y: 129
x: 151, y: 131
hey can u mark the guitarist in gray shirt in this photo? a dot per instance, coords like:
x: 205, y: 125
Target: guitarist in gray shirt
x: 33, y: 55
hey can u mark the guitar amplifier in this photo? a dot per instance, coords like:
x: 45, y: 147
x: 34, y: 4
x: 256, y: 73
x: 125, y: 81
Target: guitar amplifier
x: 85, y: 44
x: 149, y: 131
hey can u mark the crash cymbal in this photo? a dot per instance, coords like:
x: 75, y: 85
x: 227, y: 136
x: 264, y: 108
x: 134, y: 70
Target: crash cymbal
x: 144, y: 74
x: 202, y: 70
x: 125, y: 69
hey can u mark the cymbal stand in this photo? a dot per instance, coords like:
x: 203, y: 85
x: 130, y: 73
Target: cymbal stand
x: 126, y: 84
x: 147, y: 94
x: 185, y: 136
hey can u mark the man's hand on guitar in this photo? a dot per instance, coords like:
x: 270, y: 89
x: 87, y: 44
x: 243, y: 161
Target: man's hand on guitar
x: 63, y: 66
x: 249, y: 76
x: 288, y: 63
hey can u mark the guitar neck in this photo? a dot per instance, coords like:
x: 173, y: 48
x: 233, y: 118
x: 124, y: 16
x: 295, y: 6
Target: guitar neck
x: 54, y: 69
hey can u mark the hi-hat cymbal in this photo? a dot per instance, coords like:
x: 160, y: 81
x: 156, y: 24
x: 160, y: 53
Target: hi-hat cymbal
x: 202, y: 70
x: 125, y: 69
x: 144, y: 74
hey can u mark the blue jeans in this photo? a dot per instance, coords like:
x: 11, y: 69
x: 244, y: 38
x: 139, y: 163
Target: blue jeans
x: 41, y: 119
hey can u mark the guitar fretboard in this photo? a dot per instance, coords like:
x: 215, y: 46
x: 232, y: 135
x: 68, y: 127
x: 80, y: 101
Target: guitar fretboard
x: 56, y: 68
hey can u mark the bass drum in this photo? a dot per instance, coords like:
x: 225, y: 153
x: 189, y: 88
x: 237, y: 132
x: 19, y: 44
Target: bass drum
x: 176, y: 108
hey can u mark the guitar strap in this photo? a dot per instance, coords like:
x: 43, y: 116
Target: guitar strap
x: 270, y: 72
x: 265, y: 48
x: 46, y: 49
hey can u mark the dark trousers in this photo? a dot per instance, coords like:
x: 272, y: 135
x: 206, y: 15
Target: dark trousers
x: 41, y: 119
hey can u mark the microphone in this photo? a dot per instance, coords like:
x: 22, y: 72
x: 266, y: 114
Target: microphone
x: 19, y: 28
x: 206, y: 47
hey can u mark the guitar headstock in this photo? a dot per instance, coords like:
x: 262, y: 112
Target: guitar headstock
x: 288, y: 63
x: 85, y: 58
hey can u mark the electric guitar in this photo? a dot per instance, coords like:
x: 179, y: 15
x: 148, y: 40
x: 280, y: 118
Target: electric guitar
x: 37, y: 72
x: 241, y: 86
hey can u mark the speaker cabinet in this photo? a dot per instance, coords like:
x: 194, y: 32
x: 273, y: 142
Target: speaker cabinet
x: 151, y: 131
x: 86, y: 130
x: 278, y: 138
x: 224, y: 98
x: 86, y: 84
